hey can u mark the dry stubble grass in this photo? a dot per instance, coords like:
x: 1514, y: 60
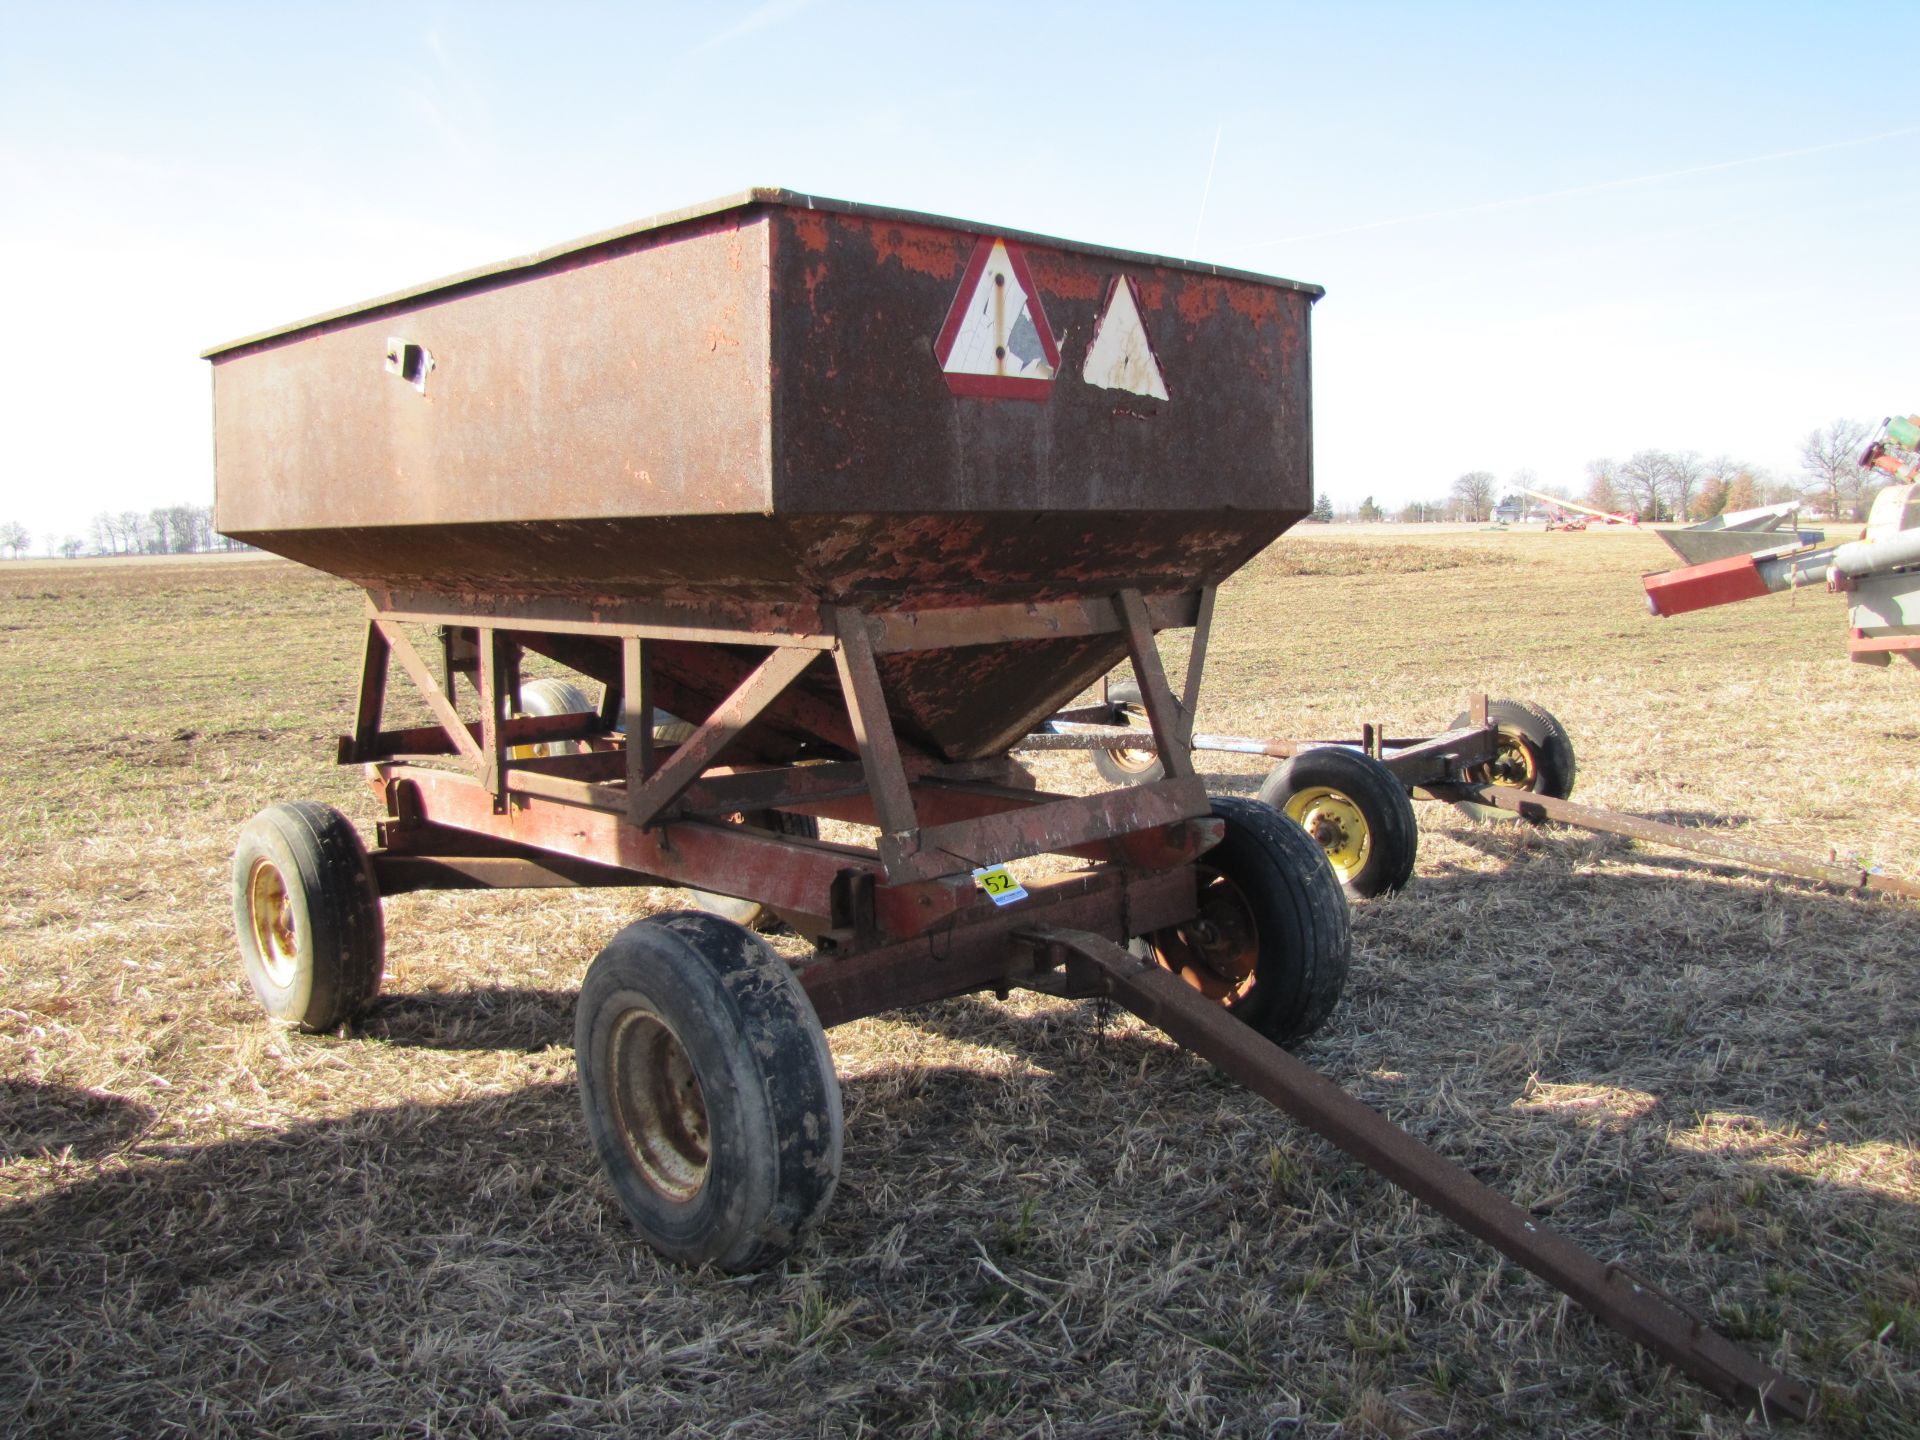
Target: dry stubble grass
x: 1051, y: 1222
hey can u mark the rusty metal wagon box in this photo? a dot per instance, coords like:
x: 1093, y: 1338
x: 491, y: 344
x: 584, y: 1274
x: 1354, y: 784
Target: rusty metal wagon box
x: 780, y: 398
x: 774, y: 404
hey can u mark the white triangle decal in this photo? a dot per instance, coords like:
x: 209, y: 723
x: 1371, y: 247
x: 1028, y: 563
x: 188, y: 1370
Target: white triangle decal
x: 996, y: 334
x: 1121, y: 356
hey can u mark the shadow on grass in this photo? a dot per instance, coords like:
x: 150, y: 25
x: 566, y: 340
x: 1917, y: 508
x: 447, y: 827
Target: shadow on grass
x: 502, y: 1017
x: 38, y: 1119
x: 361, y: 1234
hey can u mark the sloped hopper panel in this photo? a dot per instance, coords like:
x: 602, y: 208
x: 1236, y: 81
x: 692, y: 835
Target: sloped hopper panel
x: 779, y: 400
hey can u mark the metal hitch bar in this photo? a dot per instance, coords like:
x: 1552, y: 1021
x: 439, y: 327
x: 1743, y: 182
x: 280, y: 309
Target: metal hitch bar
x: 1097, y: 966
x: 1529, y: 806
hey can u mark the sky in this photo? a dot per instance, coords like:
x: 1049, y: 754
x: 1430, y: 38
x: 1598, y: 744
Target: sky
x: 1548, y: 233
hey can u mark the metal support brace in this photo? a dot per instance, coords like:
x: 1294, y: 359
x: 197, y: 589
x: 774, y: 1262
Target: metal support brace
x: 636, y: 715
x: 423, y: 679
x: 739, y: 710
x: 1163, y: 712
x: 873, y: 735
x: 371, y: 703
x: 496, y: 695
x: 1196, y: 662
x: 1097, y: 966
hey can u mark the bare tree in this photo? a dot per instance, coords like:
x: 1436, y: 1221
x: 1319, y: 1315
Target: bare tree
x: 134, y: 534
x: 1644, y: 477
x: 1685, y: 471
x: 1474, y: 491
x: 1603, y: 493
x: 71, y: 547
x: 15, y: 538
x: 1830, y: 459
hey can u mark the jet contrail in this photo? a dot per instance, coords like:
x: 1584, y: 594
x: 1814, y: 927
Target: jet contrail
x: 1208, y: 188
x: 1597, y: 186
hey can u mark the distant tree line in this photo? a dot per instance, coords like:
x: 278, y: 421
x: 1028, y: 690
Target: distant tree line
x: 1671, y: 485
x: 168, y: 530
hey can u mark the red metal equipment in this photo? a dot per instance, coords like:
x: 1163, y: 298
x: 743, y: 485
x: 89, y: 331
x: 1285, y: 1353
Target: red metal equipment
x: 863, y: 497
x: 1879, y: 573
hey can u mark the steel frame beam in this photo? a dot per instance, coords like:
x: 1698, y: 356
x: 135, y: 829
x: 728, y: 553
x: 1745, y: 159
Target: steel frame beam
x: 1096, y: 965
x: 1529, y: 806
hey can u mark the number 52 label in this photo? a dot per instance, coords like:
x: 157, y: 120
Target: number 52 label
x: 1000, y: 886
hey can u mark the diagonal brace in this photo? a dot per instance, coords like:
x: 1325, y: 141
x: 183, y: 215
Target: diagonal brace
x: 739, y: 710
x: 428, y: 685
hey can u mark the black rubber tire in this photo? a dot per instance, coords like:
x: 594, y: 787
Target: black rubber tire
x: 1271, y: 872
x: 1362, y: 790
x: 734, y: 1151
x: 306, y: 911
x: 1122, y: 766
x: 1547, y: 754
x: 752, y: 912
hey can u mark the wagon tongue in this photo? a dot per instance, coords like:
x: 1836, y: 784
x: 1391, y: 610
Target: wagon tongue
x: 1096, y: 966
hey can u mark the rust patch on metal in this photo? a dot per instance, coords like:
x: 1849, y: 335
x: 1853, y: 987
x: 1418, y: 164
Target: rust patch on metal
x: 922, y: 250
x: 1061, y: 278
x: 810, y: 229
x: 1196, y: 302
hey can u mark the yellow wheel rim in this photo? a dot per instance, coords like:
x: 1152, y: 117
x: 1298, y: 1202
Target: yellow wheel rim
x: 1513, y: 764
x: 276, y: 935
x: 1331, y: 818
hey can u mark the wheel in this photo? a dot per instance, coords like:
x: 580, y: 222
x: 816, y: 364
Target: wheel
x: 671, y: 730
x: 750, y: 912
x: 708, y: 1090
x: 1360, y: 814
x: 1127, y: 766
x: 1534, y: 753
x: 307, y: 914
x: 552, y: 697
x: 1121, y: 765
x: 1270, y: 941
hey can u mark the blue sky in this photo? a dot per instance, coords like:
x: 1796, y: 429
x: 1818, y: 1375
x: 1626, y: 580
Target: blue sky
x: 1547, y: 233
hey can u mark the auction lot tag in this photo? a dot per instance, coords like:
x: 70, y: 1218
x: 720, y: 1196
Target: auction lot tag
x: 1001, y: 887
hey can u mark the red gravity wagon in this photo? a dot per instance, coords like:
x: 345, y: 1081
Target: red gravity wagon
x: 860, y: 498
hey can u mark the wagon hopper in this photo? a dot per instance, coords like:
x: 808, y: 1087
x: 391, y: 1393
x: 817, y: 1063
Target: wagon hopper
x: 862, y: 498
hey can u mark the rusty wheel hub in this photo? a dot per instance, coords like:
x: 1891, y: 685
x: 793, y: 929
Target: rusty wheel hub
x: 661, y: 1110
x: 1513, y: 764
x: 1218, y: 951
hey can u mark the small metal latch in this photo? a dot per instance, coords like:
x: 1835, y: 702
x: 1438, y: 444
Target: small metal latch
x: 411, y: 362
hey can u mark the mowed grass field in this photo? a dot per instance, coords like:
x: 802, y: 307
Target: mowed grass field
x: 1051, y: 1222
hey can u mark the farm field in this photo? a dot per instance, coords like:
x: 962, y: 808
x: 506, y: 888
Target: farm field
x: 1050, y: 1221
